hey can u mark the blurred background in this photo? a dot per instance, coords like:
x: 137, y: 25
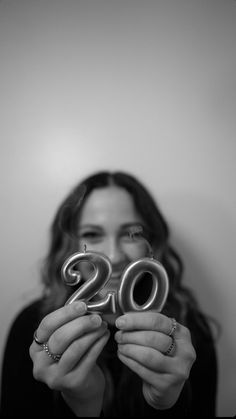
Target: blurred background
x: 146, y: 86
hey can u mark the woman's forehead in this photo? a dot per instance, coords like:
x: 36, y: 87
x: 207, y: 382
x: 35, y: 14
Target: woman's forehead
x: 113, y: 202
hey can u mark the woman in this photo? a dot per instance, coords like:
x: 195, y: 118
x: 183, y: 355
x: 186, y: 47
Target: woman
x: 110, y: 364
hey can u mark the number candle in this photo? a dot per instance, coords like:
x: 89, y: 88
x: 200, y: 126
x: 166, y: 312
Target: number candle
x: 124, y: 298
x: 160, y: 281
x: 130, y: 276
x: 88, y: 289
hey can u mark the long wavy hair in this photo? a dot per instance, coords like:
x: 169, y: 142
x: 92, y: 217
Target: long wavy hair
x: 181, y: 303
x: 64, y: 242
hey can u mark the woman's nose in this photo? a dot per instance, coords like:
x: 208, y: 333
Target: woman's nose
x: 114, y: 251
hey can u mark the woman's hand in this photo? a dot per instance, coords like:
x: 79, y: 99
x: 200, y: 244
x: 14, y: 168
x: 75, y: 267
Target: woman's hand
x: 79, y: 340
x: 143, y: 340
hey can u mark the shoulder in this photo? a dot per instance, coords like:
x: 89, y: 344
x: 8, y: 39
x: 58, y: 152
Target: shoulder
x: 204, y: 340
x: 25, y: 322
x: 29, y: 313
x: 204, y: 372
x: 201, y: 327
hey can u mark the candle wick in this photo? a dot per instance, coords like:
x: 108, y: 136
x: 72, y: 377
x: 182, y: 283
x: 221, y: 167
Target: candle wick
x: 85, y: 248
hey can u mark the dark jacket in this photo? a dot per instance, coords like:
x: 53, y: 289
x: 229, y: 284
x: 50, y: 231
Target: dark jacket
x: 23, y: 396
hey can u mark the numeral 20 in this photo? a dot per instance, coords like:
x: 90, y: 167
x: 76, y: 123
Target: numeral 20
x: 125, y: 294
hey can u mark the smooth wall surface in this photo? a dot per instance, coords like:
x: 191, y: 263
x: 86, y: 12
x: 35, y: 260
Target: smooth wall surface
x: 143, y: 86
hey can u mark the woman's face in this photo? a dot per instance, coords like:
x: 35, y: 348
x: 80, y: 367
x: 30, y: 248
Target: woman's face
x: 107, y: 218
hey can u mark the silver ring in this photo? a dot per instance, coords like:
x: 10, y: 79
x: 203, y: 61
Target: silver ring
x: 55, y: 357
x: 173, y: 327
x: 36, y: 339
x: 171, y: 347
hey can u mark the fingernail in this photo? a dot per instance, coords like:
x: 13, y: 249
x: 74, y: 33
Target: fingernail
x: 120, y: 349
x: 80, y: 306
x: 118, y: 337
x: 120, y: 322
x: 96, y: 320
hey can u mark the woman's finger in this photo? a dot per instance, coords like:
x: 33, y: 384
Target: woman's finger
x: 62, y: 337
x: 57, y: 318
x: 148, y: 357
x: 144, y: 373
x: 145, y: 321
x: 79, y: 348
x: 45, y: 369
x: 82, y: 370
x: 150, y: 339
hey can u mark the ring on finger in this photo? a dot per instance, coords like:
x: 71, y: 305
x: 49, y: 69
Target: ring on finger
x: 173, y: 327
x: 170, y: 350
x: 37, y: 340
x: 54, y: 357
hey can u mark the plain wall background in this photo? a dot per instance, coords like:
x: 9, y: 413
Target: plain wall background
x: 144, y: 86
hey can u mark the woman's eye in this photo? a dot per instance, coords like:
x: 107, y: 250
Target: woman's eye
x: 128, y: 235
x: 90, y: 235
